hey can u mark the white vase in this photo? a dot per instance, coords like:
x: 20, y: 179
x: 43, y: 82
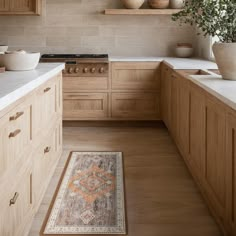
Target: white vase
x: 176, y: 4
x: 132, y: 4
x: 225, y: 56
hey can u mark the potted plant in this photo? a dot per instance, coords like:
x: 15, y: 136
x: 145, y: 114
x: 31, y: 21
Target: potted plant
x: 215, y: 18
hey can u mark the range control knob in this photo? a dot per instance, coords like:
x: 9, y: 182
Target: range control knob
x: 93, y: 70
x: 101, y: 70
x: 85, y: 70
x: 76, y: 70
x: 70, y: 70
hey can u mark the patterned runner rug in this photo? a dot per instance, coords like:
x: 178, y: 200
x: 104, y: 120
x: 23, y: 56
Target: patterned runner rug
x: 89, y: 198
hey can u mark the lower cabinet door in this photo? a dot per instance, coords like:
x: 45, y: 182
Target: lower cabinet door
x: 216, y: 155
x: 183, y: 117
x: 135, y: 106
x: 16, y: 205
x: 44, y: 159
x: 197, y: 126
x: 79, y: 106
x: 174, y: 127
x: 231, y: 172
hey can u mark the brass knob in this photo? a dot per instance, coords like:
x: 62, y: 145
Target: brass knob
x: 93, y: 70
x: 101, y: 70
x: 76, y: 70
x: 85, y: 70
x: 70, y: 70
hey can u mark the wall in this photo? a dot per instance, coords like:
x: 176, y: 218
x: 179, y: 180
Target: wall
x: 78, y: 26
x: 203, y: 45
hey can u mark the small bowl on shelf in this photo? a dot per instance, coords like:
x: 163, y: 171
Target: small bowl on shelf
x: 132, y: 4
x: 20, y: 60
x: 184, y: 50
x: 159, y: 4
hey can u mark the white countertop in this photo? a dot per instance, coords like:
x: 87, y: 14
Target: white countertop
x: 175, y: 63
x: 16, y: 84
x: 224, y: 90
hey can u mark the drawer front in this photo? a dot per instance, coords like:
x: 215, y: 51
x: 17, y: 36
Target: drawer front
x: 135, y: 105
x: 45, y: 105
x: 15, y: 136
x: 16, y: 205
x: 85, y: 105
x: 136, y: 76
x: 75, y: 84
x: 44, y: 158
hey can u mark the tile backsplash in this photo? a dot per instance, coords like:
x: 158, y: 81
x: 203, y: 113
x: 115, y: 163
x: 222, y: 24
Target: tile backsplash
x: 79, y: 26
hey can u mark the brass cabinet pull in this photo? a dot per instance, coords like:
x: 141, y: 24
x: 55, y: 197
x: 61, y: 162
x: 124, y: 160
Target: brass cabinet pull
x: 47, y: 89
x: 14, y: 134
x: 16, y: 116
x: 47, y: 150
x: 13, y: 200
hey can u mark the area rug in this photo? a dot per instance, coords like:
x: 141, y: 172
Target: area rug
x: 89, y: 199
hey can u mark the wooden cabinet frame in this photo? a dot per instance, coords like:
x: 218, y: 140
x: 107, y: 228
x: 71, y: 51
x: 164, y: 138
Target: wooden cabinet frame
x: 14, y: 7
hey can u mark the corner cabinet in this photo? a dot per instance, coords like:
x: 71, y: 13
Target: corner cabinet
x: 30, y: 149
x: 20, y: 7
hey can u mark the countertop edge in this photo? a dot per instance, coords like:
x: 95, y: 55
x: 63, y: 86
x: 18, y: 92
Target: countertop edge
x: 17, y: 94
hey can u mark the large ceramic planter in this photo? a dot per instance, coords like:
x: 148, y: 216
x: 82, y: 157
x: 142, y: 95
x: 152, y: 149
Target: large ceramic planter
x: 225, y: 56
x: 132, y: 4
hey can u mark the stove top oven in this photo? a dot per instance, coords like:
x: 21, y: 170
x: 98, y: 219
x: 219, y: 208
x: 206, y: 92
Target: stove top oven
x: 81, y: 64
x: 85, y: 85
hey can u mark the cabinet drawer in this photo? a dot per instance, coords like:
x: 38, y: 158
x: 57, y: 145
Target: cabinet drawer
x: 15, y: 136
x: 16, y: 205
x: 45, y: 105
x: 136, y: 76
x: 135, y: 105
x: 75, y: 84
x: 85, y: 105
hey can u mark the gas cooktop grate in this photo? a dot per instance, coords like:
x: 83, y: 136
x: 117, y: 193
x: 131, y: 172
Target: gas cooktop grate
x: 65, y: 56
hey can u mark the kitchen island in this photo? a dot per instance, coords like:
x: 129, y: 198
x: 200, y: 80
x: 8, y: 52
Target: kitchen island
x: 30, y: 142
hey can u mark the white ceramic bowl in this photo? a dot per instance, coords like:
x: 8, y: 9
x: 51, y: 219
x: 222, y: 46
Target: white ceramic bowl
x: 20, y: 62
x: 3, y: 48
x: 183, y: 52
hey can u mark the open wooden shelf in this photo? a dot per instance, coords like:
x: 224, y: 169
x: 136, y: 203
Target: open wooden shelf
x: 141, y: 11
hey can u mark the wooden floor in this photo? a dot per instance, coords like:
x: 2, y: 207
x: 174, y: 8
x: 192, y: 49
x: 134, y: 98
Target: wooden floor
x: 162, y: 199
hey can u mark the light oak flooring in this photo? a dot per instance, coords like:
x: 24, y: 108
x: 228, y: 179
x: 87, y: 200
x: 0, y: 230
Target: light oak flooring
x: 162, y: 199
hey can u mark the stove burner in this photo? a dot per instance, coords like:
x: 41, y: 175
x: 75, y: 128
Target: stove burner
x: 74, y: 56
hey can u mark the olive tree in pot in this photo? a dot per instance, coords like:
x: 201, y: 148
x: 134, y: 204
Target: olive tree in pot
x: 215, y: 18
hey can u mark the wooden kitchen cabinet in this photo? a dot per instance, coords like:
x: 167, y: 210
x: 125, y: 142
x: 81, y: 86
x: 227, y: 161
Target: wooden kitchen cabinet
x: 230, y: 170
x: 85, y: 106
x: 75, y: 84
x: 4, y: 5
x: 20, y: 7
x: 197, y: 131
x: 174, y: 114
x: 166, y: 95
x: 136, y: 76
x: 16, y: 204
x: 183, y: 115
x: 215, y: 161
x: 132, y: 106
x: 15, y: 136
x: 46, y: 104
x: 30, y: 144
x: 45, y: 160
